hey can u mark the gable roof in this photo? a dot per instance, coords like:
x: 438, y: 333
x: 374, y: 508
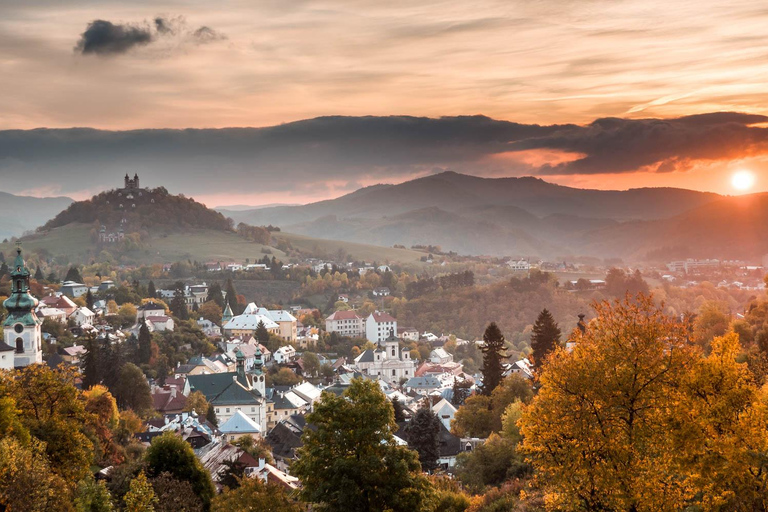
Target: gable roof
x: 365, y: 357
x: 239, y: 423
x: 211, y: 384
x: 236, y: 394
x: 382, y: 317
x: 344, y: 315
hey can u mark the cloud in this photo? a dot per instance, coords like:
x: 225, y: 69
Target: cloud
x: 105, y: 38
x: 302, y: 157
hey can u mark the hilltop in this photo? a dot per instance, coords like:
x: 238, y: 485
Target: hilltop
x: 19, y: 214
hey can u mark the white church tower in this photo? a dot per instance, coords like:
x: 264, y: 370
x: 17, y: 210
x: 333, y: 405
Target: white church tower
x: 21, y: 329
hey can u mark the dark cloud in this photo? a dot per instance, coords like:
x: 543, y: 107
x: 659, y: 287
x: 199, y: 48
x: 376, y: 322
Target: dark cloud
x: 207, y: 35
x: 614, y: 145
x: 105, y: 38
x: 351, y: 149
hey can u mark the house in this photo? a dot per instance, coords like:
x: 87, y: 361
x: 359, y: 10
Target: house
x: 149, y: 309
x: 286, y: 403
x: 408, y: 334
x: 308, y: 392
x: 269, y: 474
x: 519, y: 265
x: 284, y: 354
x: 73, y: 289
x: 61, y: 302
x: 229, y: 392
x: 286, y: 322
x: 215, y: 457
x: 106, y: 285
x: 6, y: 356
x: 159, y: 323
x: 382, y: 291
x: 343, y: 298
x: 378, y: 326
x: 168, y: 400
x: 285, y: 438
x: 55, y: 314
x: 388, y: 361
x: 522, y: 367
x: 83, y: 316
x: 345, y: 323
x: 423, y: 384
x: 74, y: 354
x: 445, y: 411
x: 246, y: 324
x: 209, y: 328
x: 240, y: 425
x: 440, y: 356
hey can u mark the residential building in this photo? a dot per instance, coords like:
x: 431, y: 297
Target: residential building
x: 149, y: 309
x: 445, y: 411
x: 73, y: 289
x: 83, y: 316
x: 284, y: 354
x: 345, y: 323
x: 240, y: 425
x: 378, y: 326
x: 440, y: 356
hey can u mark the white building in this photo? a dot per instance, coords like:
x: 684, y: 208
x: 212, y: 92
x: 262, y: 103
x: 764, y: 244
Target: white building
x: 149, y: 309
x: 519, y: 265
x: 284, y: 354
x: 345, y: 323
x: 83, y: 316
x: 73, y: 289
x: 387, y: 361
x: 440, y: 356
x: 445, y: 411
x: 379, y: 326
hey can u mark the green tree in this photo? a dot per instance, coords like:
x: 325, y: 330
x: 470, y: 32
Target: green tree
x: 285, y: 377
x: 93, y: 362
x: 237, y: 308
x: 179, y: 305
x: 253, y: 496
x: 141, y: 496
x: 174, y: 495
x: 89, y: 300
x: 492, y: 463
x: 545, y: 337
x: 170, y: 454
x: 351, y: 461
x: 423, y: 433
x: 211, y: 312
x: 311, y: 363
x: 93, y: 496
x: 262, y: 334
x: 151, y: 290
x: 73, y: 274
x: 493, y: 347
x: 399, y: 410
x: 132, y: 390
x: 215, y: 295
x: 144, y: 352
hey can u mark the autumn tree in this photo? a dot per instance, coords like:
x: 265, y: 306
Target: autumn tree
x: 481, y: 415
x: 141, y: 496
x: 598, y: 432
x: 545, y: 337
x: 27, y: 482
x: 254, y: 495
x: 350, y: 461
x: 174, y: 495
x: 493, y: 348
x: 211, y: 312
x: 196, y: 402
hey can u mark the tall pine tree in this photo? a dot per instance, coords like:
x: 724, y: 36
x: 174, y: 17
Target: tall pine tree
x: 545, y: 337
x: 423, y: 434
x: 215, y: 295
x: 151, y: 290
x: 493, y: 348
x: 145, y: 344
x: 237, y: 308
x: 73, y: 274
x: 92, y: 364
x: 262, y: 334
x: 179, y: 305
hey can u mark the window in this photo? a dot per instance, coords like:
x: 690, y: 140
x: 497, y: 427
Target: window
x: 217, y: 409
x: 393, y: 373
x: 253, y: 409
x: 227, y: 409
x: 19, y: 346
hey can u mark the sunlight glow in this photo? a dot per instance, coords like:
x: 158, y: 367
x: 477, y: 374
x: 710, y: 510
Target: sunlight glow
x: 742, y: 180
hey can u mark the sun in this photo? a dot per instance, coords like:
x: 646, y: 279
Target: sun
x: 742, y: 180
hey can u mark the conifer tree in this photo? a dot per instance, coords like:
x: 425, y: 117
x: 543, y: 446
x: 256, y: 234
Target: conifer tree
x: 92, y: 363
x: 423, y: 434
x: 215, y: 295
x: 39, y: 274
x: 237, y: 308
x: 493, y: 348
x: 145, y: 344
x: 178, y: 306
x: 3, y: 269
x: 262, y: 334
x: 397, y: 405
x: 151, y: 290
x: 89, y: 300
x: 545, y: 337
x: 73, y: 274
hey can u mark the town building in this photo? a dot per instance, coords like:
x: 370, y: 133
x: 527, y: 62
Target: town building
x: 378, y: 326
x: 388, y: 361
x: 345, y: 323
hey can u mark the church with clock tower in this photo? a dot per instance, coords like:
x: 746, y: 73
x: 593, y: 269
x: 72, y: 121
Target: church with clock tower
x: 21, y: 328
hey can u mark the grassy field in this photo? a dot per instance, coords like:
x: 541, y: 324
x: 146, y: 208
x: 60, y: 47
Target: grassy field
x: 369, y: 253
x: 74, y: 243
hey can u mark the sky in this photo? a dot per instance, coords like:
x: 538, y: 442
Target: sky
x: 618, y: 87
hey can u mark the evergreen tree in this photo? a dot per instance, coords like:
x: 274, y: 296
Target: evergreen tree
x: 51, y: 276
x: 3, y: 270
x: 545, y: 337
x: 262, y: 334
x: 237, y: 308
x: 399, y: 408
x: 170, y: 453
x: 92, y: 363
x: 178, y: 305
x: 215, y: 295
x: 423, y: 434
x: 492, y: 349
x: 144, y: 352
x: 89, y: 300
x: 73, y: 274
x: 114, y: 362
x: 460, y: 391
x: 39, y: 274
x: 151, y: 290
x: 211, y: 416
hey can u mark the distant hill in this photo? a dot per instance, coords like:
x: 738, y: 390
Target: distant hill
x: 23, y: 213
x: 141, y: 209
x: 468, y: 214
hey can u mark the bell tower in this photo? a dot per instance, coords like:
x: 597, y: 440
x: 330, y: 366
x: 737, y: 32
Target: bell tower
x: 22, y: 327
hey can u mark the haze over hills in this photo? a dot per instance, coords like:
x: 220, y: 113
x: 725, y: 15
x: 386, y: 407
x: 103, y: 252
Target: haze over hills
x: 23, y: 213
x: 468, y: 214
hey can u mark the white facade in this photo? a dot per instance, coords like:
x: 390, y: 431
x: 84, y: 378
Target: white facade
x: 379, y: 326
x: 284, y: 354
x: 345, y: 323
x: 83, y: 316
x: 388, y: 361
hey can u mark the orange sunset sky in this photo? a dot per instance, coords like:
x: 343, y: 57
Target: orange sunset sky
x: 264, y: 63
